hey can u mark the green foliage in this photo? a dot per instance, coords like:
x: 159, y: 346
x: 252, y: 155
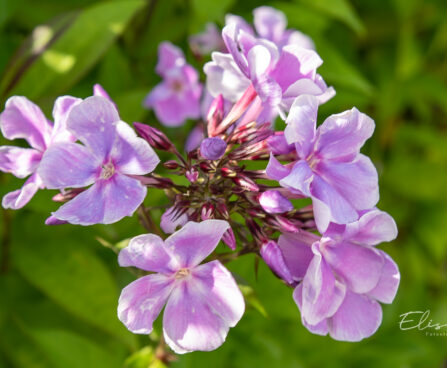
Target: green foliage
x: 59, y: 286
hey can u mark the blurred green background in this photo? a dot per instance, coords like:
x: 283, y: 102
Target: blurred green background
x: 59, y: 286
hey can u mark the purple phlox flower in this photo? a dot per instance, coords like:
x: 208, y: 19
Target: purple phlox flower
x: 278, y: 144
x: 213, y: 148
x: 331, y: 170
x: 110, y: 155
x: 177, y: 97
x: 202, y: 300
x: 346, y: 277
x: 278, y: 76
x: 271, y: 24
x: 207, y: 41
x: 23, y: 119
x: 272, y: 201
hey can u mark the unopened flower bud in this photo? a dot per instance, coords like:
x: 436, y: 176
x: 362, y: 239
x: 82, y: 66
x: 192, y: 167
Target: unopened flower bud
x: 215, y: 115
x: 154, y: 137
x: 229, y: 239
x: 67, y: 195
x: 171, y: 165
x: 246, y: 183
x: 213, y: 148
x: 272, y: 201
x: 207, y: 211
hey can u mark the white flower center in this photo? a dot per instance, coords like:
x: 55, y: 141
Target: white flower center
x: 108, y: 170
x: 182, y: 273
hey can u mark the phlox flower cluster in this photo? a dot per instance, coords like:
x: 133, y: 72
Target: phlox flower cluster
x: 103, y: 168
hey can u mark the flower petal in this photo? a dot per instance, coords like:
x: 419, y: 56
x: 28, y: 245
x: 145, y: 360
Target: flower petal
x: 61, y: 109
x: 318, y: 329
x: 356, y: 181
x: 296, y: 248
x: 104, y: 203
x: 330, y: 205
x: 273, y: 257
x: 169, y: 57
x: 275, y: 170
x: 300, y: 178
x: 358, y: 317
x: 269, y: 23
x: 24, y: 119
x: 132, y: 155
x: 19, y: 198
x: 342, y: 135
x: 386, y: 288
x: 67, y: 165
x: 224, y: 77
x: 200, y: 312
x: 301, y: 124
x: 196, y: 240
x: 20, y: 162
x: 91, y: 121
x: 220, y: 291
x: 322, y: 293
x: 372, y: 228
x: 360, y: 267
x: 148, y: 253
x: 141, y: 302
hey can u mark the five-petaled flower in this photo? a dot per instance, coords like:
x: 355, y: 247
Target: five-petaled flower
x: 23, y: 119
x: 330, y: 168
x: 202, y: 300
x: 177, y: 97
x: 110, y: 156
x: 344, y: 276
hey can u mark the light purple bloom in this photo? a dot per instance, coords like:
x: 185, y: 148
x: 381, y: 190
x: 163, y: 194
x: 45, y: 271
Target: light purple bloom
x: 177, y: 97
x: 23, y: 119
x: 331, y: 170
x: 111, y: 153
x: 271, y: 25
x: 202, y: 301
x: 346, y: 277
x: 207, y: 41
x: 195, y: 137
x: 278, y: 75
x: 213, y: 148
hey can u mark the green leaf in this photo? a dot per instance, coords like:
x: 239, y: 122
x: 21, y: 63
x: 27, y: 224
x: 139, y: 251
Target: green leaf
x: 66, y: 349
x: 77, y: 50
x: 341, y: 10
x: 252, y: 300
x: 73, y: 277
x: 211, y: 10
